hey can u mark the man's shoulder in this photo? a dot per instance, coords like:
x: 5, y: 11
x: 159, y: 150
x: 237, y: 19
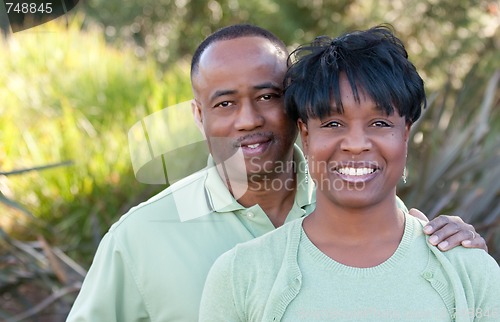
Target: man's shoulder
x: 170, y: 204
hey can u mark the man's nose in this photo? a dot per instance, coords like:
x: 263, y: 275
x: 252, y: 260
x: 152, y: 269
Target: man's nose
x: 249, y: 117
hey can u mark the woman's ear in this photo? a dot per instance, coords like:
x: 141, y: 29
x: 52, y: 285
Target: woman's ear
x: 407, y: 131
x: 198, y: 120
x: 304, y: 135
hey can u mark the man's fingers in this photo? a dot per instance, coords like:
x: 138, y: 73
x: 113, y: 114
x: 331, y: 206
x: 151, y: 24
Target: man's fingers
x: 447, y: 232
x: 477, y: 242
x: 447, y: 235
x: 454, y: 240
x: 438, y: 223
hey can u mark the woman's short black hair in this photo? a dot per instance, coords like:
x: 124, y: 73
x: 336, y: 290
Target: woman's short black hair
x: 374, y: 60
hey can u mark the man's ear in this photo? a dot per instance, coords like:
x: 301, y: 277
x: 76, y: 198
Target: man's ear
x: 304, y: 135
x: 198, y: 120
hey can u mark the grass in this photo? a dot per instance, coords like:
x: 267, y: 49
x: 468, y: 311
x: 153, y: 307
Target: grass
x: 67, y: 96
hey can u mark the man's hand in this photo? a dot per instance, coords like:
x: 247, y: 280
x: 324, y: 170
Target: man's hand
x: 448, y: 232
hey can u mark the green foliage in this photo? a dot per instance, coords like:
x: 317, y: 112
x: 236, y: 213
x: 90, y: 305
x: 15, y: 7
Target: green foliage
x: 67, y: 96
x: 454, y: 157
x: 442, y: 35
x: 31, y: 270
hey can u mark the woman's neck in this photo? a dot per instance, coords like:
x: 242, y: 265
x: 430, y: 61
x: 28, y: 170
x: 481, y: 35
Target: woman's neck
x: 359, y: 237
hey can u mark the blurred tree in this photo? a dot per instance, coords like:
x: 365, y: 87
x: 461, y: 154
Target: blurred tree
x: 443, y: 36
x: 172, y: 29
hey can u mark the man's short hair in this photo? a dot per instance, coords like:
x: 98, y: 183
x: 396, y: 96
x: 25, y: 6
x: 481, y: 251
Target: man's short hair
x: 374, y: 60
x: 233, y: 32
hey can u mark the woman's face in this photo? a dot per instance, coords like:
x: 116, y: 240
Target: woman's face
x: 356, y: 158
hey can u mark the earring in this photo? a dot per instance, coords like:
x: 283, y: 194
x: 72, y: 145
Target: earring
x: 306, y: 170
x: 404, y: 175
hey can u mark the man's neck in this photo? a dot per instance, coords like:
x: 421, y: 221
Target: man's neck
x: 273, y: 192
x: 276, y: 199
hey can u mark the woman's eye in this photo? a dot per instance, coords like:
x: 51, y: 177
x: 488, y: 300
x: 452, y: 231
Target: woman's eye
x: 224, y: 104
x: 332, y: 124
x: 381, y: 124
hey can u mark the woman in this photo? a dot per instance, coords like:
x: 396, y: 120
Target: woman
x: 357, y: 257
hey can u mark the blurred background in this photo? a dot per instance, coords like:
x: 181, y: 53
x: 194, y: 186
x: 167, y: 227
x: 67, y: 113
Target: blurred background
x: 72, y: 88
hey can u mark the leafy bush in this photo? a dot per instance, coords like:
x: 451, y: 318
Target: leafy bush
x: 454, y: 157
x: 67, y: 96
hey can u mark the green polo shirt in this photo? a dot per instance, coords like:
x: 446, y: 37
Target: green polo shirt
x: 152, y: 264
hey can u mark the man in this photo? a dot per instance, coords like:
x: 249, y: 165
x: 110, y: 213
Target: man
x: 152, y: 264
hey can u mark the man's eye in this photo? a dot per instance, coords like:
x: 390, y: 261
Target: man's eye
x: 268, y: 97
x: 224, y: 104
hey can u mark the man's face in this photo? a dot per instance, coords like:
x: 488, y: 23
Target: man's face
x: 238, y: 94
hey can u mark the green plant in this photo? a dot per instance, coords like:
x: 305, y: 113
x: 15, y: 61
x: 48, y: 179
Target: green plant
x: 454, y: 157
x: 66, y: 95
x: 34, y: 276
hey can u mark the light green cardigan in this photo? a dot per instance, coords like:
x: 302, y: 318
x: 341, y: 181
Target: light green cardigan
x: 257, y: 280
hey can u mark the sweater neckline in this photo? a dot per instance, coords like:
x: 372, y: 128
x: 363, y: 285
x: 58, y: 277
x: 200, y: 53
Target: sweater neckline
x: 328, y: 263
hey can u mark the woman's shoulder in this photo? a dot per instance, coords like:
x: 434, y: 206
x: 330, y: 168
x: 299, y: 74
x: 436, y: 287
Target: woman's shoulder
x: 472, y: 260
x: 272, y: 241
x: 466, y: 261
x: 473, y: 265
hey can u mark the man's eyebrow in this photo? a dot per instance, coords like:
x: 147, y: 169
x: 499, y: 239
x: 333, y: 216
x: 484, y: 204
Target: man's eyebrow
x: 269, y: 85
x: 222, y: 93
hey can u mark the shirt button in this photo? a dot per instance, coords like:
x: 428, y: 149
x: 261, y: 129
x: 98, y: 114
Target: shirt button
x: 250, y: 215
x: 427, y: 275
